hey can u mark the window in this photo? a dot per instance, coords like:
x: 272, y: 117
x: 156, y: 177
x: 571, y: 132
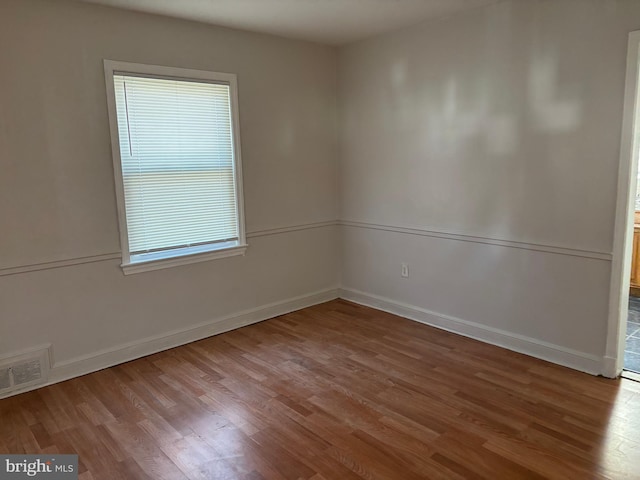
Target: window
x: 174, y: 136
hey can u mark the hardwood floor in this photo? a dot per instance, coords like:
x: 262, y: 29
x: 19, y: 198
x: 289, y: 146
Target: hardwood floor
x: 336, y: 391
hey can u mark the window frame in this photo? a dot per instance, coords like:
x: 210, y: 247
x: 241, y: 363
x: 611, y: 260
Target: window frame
x: 187, y: 255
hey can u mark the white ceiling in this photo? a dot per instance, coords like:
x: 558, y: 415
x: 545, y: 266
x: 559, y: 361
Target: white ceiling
x: 333, y: 22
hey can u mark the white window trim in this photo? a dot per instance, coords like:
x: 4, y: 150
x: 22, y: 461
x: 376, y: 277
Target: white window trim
x: 187, y: 255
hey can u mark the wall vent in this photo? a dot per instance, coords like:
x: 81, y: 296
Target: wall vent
x: 24, y: 370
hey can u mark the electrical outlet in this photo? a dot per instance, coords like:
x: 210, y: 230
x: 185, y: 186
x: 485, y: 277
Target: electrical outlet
x: 405, y: 270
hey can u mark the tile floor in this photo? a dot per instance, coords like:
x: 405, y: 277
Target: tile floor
x: 632, y: 348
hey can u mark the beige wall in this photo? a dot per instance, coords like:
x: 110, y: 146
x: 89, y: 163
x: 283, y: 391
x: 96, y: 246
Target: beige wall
x: 494, y: 134
x: 57, y: 199
x: 482, y: 149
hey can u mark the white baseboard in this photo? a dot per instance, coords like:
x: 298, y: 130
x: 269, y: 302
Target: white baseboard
x: 511, y: 341
x: 126, y: 352
x: 130, y: 351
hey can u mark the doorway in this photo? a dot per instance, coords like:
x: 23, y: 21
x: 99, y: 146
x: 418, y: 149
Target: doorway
x: 624, y: 309
x: 632, y: 336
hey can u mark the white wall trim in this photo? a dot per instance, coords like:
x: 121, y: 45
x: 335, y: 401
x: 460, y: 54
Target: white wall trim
x: 330, y: 223
x: 68, y: 262
x: 485, y: 240
x: 103, y: 257
x: 292, y: 228
x: 622, y: 233
x: 130, y: 351
x: 518, y: 343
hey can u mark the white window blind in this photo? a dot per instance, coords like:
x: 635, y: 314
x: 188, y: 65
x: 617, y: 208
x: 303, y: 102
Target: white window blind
x: 177, y: 157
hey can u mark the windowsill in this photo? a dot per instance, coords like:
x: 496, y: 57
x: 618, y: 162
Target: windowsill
x: 184, y: 256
